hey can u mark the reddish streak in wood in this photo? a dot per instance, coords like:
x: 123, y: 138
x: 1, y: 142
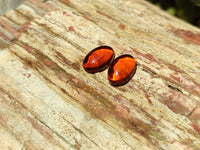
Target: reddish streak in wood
x: 65, y: 1
x: 104, y: 14
x: 196, y: 127
x: 7, y: 27
x: 148, y: 98
x: 187, y: 35
x: 121, y: 26
x: 71, y: 29
x: 121, y: 70
x: 98, y: 59
x: 3, y: 36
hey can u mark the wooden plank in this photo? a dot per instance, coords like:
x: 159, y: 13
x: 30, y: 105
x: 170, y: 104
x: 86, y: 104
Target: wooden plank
x: 48, y: 101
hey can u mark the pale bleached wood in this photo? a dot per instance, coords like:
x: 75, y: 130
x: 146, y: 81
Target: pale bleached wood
x: 49, y: 102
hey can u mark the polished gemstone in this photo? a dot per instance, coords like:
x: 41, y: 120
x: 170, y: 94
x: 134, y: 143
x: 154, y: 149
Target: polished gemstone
x: 121, y: 70
x: 98, y: 59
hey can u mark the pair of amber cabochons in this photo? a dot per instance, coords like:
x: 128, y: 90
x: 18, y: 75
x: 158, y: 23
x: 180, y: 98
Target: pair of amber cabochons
x: 120, y: 70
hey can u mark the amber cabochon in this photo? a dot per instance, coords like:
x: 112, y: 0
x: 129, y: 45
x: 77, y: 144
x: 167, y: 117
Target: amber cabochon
x: 121, y: 70
x: 98, y: 59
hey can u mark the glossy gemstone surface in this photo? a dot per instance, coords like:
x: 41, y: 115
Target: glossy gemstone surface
x: 121, y: 70
x: 98, y: 59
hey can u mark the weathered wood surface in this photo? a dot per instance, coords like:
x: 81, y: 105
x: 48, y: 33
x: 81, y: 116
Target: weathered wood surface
x: 47, y: 100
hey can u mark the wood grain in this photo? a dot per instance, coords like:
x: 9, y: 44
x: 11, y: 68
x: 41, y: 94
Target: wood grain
x: 48, y: 101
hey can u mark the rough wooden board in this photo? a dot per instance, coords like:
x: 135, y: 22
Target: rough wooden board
x: 49, y: 101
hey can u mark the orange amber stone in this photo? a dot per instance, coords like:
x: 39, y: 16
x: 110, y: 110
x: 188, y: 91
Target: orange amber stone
x: 98, y: 59
x: 121, y: 70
